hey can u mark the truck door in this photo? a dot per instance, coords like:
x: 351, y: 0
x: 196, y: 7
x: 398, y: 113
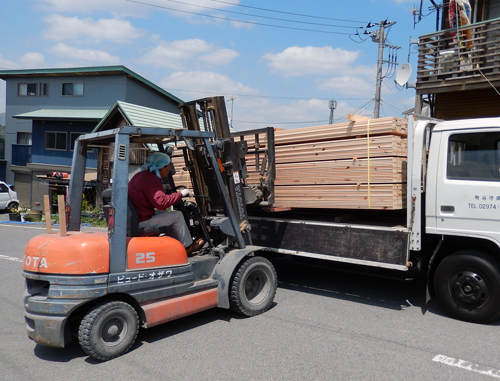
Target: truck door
x: 468, y: 183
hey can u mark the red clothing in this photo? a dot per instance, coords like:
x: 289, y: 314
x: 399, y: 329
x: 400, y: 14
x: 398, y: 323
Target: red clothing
x: 145, y: 190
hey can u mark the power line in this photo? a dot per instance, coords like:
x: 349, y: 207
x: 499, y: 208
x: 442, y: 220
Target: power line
x: 393, y: 93
x: 262, y: 96
x: 287, y: 13
x: 265, y: 17
x: 229, y: 93
x: 236, y: 20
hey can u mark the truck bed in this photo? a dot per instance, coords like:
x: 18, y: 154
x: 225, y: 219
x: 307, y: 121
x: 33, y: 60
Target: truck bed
x: 373, y: 239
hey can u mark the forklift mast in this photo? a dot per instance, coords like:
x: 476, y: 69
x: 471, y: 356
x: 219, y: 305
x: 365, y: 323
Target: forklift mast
x: 209, y: 114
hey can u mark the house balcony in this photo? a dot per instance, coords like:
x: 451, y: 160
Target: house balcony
x: 21, y: 154
x: 451, y: 61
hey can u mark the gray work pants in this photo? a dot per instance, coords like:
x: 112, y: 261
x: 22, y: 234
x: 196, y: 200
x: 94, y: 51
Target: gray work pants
x: 175, y: 223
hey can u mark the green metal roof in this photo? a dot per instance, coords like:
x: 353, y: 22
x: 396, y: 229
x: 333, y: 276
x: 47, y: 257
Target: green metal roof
x: 90, y: 70
x: 64, y: 114
x: 141, y: 116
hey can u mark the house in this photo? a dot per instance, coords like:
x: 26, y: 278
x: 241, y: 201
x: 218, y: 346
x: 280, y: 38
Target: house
x: 458, y: 73
x: 126, y: 114
x: 47, y: 109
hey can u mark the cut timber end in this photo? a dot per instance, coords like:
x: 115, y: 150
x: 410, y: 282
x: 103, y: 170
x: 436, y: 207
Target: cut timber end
x: 357, y: 118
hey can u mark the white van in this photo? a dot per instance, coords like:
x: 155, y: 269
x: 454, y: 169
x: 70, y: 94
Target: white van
x: 8, y: 198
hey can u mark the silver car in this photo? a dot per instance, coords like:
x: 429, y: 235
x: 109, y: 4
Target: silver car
x: 8, y: 198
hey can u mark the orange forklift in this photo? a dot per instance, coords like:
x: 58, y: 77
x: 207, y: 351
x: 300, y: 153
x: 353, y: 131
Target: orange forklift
x: 101, y: 287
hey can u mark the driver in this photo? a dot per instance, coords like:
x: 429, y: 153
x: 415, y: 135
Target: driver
x: 145, y: 191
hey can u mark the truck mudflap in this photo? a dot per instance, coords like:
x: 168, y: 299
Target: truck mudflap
x: 224, y: 270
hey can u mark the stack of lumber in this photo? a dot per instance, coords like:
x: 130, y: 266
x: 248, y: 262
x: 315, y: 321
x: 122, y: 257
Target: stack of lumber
x: 360, y: 164
x: 181, y: 176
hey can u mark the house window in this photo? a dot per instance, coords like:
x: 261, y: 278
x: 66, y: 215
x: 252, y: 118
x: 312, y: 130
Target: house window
x: 24, y: 138
x: 44, y: 89
x: 72, y: 89
x: 27, y: 89
x: 55, y: 141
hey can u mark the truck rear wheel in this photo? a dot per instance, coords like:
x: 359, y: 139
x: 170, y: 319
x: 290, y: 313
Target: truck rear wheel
x: 108, y: 330
x: 467, y: 285
x: 253, y: 286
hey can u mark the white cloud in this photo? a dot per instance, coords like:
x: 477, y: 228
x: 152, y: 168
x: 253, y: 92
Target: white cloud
x: 252, y: 113
x: 347, y: 85
x: 68, y: 28
x: 5, y: 64
x: 33, y: 60
x: 220, y: 57
x: 178, y: 55
x: 241, y: 25
x: 299, y: 61
x: 84, y: 55
x: 204, y: 82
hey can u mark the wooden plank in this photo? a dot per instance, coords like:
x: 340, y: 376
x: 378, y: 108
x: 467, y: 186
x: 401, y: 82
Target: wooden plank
x: 46, y: 208
x: 381, y: 126
x: 61, y: 205
x: 376, y: 196
x: 181, y: 176
x: 378, y: 146
x: 377, y: 170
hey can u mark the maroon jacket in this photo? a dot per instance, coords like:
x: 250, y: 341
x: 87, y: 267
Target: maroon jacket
x: 145, y: 190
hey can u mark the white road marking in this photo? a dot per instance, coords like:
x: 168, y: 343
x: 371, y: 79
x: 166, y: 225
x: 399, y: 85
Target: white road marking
x: 11, y: 258
x: 462, y: 364
x: 23, y: 226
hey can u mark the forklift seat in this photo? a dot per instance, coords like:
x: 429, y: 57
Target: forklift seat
x: 133, y: 229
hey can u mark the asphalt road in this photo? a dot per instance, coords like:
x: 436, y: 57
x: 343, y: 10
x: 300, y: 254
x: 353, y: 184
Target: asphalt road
x: 324, y: 325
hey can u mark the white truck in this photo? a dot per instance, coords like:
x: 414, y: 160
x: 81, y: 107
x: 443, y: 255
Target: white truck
x: 450, y: 227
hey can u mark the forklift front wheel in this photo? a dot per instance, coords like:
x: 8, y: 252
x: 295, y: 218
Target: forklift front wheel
x: 253, y: 286
x: 108, y: 330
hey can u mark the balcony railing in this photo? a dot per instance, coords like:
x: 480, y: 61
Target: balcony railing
x: 21, y: 154
x: 449, y: 60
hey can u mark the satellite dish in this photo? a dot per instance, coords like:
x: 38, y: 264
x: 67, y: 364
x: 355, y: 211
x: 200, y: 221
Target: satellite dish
x: 403, y: 74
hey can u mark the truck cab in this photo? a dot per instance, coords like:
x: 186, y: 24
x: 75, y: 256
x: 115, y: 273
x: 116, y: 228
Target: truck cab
x: 463, y: 187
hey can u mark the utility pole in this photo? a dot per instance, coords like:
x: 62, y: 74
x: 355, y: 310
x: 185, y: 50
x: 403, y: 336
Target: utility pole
x: 232, y: 108
x: 380, y: 38
x: 380, y: 61
x: 332, y: 105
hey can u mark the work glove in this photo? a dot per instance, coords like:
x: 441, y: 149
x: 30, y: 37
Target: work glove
x: 187, y: 193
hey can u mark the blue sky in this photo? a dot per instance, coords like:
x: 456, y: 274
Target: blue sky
x: 278, y: 76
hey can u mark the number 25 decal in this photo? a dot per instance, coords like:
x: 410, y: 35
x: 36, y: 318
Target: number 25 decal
x: 145, y: 257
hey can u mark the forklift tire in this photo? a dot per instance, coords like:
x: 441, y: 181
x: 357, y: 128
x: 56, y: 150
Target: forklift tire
x: 108, y: 330
x: 253, y: 286
x: 467, y: 285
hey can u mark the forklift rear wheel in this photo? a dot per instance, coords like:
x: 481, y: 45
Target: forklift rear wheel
x: 253, y: 286
x: 467, y: 285
x: 108, y: 330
